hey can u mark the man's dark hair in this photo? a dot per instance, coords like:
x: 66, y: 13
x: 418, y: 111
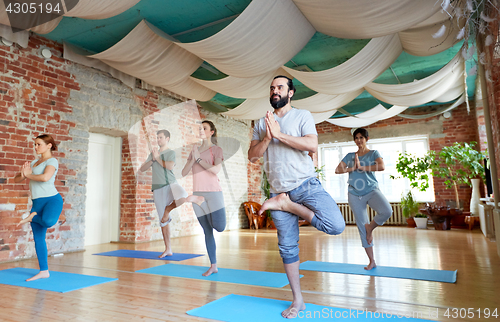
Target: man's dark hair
x: 361, y: 131
x: 165, y: 133
x: 289, y: 83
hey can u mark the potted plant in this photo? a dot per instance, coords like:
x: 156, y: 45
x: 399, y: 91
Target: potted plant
x: 421, y: 221
x: 410, y: 207
x: 266, y: 189
x: 457, y: 164
x: 320, y: 172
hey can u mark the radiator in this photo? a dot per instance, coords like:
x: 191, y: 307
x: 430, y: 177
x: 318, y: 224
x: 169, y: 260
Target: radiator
x: 396, y: 218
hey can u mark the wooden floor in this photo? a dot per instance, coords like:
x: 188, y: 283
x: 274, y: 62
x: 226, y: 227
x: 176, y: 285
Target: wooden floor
x: 143, y: 297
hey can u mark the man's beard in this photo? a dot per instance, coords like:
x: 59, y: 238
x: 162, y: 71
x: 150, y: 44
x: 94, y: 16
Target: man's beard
x: 279, y: 103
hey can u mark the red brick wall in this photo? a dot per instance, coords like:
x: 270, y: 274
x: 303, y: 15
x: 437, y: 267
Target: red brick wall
x: 33, y: 95
x: 137, y: 204
x: 461, y: 127
x: 254, y: 178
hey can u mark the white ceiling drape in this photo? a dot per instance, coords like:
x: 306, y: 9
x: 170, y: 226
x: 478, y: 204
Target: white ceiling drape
x: 80, y: 56
x: 355, y: 73
x: 420, y: 91
x: 449, y: 108
x: 371, y: 116
x: 250, y: 109
x: 363, y: 19
x: 268, y: 33
x: 86, y: 9
x: 102, y: 9
x: 163, y: 64
x: 264, y: 37
x: 422, y: 41
x: 239, y: 87
x: 319, y: 104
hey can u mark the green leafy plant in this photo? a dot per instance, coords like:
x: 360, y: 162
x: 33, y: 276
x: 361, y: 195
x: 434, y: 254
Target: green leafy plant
x: 457, y: 164
x: 320, y: 172
x: 266, y: 189
x: 419, y: 215
x: 409, y: 205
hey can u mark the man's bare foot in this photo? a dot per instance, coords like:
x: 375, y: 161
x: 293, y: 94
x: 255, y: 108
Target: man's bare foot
x: 276, y: 203
x: 167, y: 252
x: 369, y: 235
x: 212, y: 270
x: 42, y: 274
x: 165, y: 219
x: 195, y: 199
x: 293, y: 310
x: 27, y: 219
x: 370, y: 266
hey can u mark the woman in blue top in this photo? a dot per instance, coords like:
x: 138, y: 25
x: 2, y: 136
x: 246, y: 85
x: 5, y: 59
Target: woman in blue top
x: 47, y: 202
x: 363, y: 190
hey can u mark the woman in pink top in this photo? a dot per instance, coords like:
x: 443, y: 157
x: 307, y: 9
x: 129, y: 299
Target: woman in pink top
x: 205, y: 161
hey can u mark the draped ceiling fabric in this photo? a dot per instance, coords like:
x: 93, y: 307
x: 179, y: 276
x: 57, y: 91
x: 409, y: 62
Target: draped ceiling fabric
x: 321, y: 105
x: 264, y: 37
x: 238, y: 87
x: 161, y: 58
x: 79, y: 56
x: 447, y: 109
x: 355, y: 73
x: 85, y: 9
x: 371, y: 116
x: 419, y: 41
x: 251, y: 109
x: 254, y: 47
x: 20, y: 38
x: 421, y: 91
x: 363, y: 19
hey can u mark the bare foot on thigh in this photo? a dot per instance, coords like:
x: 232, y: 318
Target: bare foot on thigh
x: 370, y: 266
x: 275, y: 203
x: 293, y: 310
x: 42, y: 274
x: 195, y: 199
x: 167, y: 252
x: 27, y: 219
x: 165, y: 219
x: 212, y: 270
x: 369, y: 235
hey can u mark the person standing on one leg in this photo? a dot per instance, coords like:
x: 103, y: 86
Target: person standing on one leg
x: 363, y: 190
x: 47, y: 202
x: 208, y: 201
x: 167, y: 193
x: 284, y: 138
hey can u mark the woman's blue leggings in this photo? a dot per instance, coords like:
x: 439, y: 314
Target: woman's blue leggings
x: 47, y: 211
x: 211, y: 215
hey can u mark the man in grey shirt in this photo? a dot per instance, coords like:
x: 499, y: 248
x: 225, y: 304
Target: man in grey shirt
x: 284, y: 138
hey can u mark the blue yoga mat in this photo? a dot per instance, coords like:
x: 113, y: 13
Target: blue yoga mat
x: 241, y: 308
x: 57, y: 282
x: 228, y: 275
x: 384, y: 271
x: 147, y: 255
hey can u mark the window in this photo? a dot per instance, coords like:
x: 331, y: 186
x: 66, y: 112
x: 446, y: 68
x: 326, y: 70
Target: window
x: 331, y: 154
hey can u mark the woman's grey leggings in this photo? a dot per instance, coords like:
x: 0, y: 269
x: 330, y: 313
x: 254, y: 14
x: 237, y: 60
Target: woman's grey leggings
x: 377, y: 201
x: 211, y: 215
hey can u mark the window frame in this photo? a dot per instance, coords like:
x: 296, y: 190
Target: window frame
x: 429, y: 195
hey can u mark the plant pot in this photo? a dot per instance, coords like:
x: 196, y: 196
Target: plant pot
x: 421, y: 223
x: 411, y: 222
x: 474, y: 200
